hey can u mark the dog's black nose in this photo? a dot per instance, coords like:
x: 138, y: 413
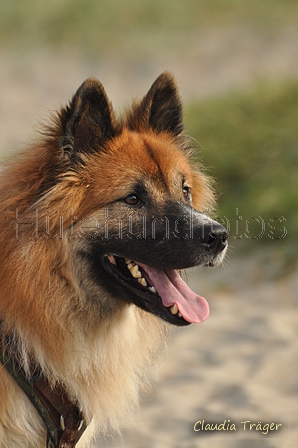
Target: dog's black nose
x: 214, y: 237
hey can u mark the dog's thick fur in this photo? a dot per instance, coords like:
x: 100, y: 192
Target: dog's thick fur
x: 68, y: 202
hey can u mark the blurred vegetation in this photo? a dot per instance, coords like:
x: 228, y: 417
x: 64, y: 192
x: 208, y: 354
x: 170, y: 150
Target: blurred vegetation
x: 249, y: 142
x: 100, y: 26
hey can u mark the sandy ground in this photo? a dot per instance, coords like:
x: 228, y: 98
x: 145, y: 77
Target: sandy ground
x: 241, y: 364
x: 213, y: 62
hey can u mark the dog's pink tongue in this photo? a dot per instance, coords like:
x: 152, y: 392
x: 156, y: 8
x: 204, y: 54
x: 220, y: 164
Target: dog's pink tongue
x: 172, y: 289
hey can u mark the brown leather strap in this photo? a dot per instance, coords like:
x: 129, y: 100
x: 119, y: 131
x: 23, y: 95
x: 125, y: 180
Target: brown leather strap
x: 67, y: 417
x: 63, y: 419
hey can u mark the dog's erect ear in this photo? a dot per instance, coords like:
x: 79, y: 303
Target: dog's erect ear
x: 89, y: 121
x: 161, y: 108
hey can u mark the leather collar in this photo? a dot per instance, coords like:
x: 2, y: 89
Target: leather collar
x: 64, y: 421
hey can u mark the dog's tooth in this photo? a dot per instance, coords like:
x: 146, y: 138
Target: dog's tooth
x: 174, y: 309
x: 142, y: 281
x: 127, y: 261
x: 135, y: 271
x: 130, y: 265
x: 179, y: 314
x: 152, y: 289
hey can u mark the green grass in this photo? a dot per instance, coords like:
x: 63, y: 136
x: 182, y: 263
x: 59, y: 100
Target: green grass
x: 249, y: 143
x: 99, y: 26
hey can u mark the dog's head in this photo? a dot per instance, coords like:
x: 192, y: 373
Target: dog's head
x: 137, y: 202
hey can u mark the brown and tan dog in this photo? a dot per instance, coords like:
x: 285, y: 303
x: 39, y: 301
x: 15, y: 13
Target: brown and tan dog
x: 95, y: 220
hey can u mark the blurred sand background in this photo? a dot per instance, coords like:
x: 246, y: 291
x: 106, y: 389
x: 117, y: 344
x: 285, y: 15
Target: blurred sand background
x: 241, y: 364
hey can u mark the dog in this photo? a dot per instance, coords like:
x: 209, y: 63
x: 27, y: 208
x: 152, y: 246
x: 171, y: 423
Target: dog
x: 97, y: 218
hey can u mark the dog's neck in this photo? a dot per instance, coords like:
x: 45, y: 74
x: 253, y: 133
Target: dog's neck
x: 64, y: 421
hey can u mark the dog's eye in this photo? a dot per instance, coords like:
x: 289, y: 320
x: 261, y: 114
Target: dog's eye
x: 132, y: 199
x: 185, y: 191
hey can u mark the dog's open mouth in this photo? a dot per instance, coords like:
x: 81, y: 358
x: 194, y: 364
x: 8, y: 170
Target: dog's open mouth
x: 161, y: 292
